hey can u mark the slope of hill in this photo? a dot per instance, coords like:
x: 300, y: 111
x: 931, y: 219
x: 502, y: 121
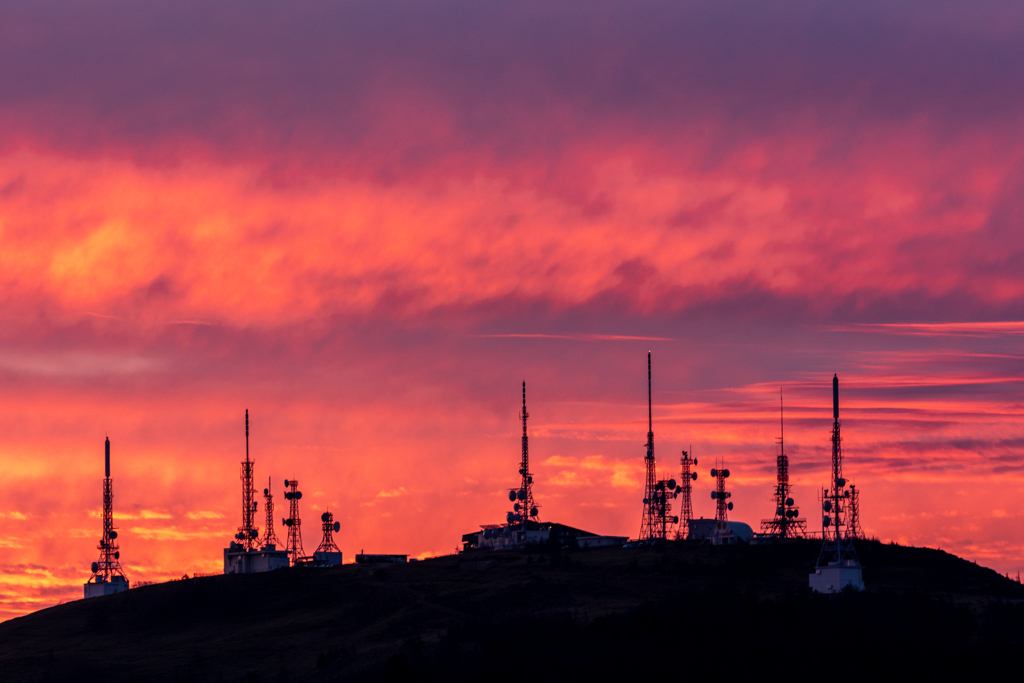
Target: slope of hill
x: 613, y: 612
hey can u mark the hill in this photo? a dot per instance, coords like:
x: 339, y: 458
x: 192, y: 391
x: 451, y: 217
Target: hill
x: 604, y: 613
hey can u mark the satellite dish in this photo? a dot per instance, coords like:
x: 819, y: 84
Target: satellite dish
x: 671, y: 484
x: 95, y: 567
x: 266, y: 492
x: 113, y: 535
x: 337, y: 527
x: 284, y: 521
x: 675, y: 520
x: 714, y: 472
x: 298, y: 494
x: 512, y: 495
x: 789, y: 502
x: 516, y: 507
x: 778, y: 511
x: 521, y: 495
x: 286, y: 483
x: 287, y: 495
x: 695, y: 461
x: 646, y: 501
x: 730, y: 506
x: 253, y: 533
x: 533, y: 512
x: 694, y: 475
x: 826, y: 520
x: 714, y: 495
x: 117, y: 555
x: 509, y: 517
x: 826, y: 506
x: 796, y: 513
x: 725, y: 473
x: 325, y: 517
x: 840, y: 482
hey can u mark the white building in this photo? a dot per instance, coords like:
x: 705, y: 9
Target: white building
x: 239, y: 561
x: 718, y: 532
x: 834, y: 578
x: 100, y: 587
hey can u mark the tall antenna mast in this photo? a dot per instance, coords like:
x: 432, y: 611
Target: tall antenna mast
x: 248, y: 533
x: 837, y: 561
x: 107, y: 570
x: 269, y: 537
x: 649, y: 524
x: 786, y: 523
x: 524, y: 508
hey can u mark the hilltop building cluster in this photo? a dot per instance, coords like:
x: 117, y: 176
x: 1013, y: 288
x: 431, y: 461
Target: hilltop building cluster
x: 837, y: 567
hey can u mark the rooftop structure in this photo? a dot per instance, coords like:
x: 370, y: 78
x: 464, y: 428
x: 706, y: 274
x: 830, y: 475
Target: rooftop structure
x: 107, y: 576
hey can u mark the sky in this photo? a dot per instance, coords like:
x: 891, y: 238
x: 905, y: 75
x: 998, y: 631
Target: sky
x: 368, y: 222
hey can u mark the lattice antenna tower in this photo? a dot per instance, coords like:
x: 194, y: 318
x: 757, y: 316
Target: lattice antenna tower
x: 270, y: 536
x: 720, y: 495
x: 248, y: 534
x: 294, y: 523
x: 524, y: 507
x: 649, y: 523
x: 109, y: 564
x: 330, y: 528
x: 685, y: 490
x: 835, y: 549
x: 853, y: 528
x: 786, y: 523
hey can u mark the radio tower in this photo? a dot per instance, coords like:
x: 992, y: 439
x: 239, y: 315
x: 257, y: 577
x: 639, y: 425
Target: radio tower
x: 837, y: 560
x: 523, y: 506
x: 853, y: 528
x: 786, y: 523
x: 685, y: 489
x: 248, y: 534
x: 330, y: 527
x: 719, y: 495
x: 649, y: 523
x: 107, y: 575
x: 293, y: 523
x: 270, y: 537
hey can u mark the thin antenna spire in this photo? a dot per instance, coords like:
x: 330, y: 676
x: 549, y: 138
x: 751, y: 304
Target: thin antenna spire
x: 247, y: 435
x: 650, y: 421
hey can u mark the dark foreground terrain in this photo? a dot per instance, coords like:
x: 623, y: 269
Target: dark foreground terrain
x: 602, y: 614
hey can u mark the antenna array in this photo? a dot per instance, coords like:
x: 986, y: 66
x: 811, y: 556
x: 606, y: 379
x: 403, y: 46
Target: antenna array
x: 270, y: 536
x: 524, y: 508
x: 248, y: 533
x: 109, y: 565
x: 684, y: 491
x: 786, y: 523
x: 294, y: 523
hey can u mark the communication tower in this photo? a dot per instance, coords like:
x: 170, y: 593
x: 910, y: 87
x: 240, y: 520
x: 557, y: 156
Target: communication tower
x: 524, y: 508
x: 293, y: 523
x: 720, y: 495
x: 684, y: 491
x: 786, y: 523
x: 853, y: 528
x: 837, y: 565
x: 649, y: 523
x: 327, y: 553
x: 248, y: 535
x: 269, y: 537
x: 107, y: 575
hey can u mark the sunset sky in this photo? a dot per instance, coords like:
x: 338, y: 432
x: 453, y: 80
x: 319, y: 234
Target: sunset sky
x: 368, y: 222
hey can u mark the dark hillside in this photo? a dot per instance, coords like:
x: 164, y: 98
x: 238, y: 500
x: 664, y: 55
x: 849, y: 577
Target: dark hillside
x: 697, y: 609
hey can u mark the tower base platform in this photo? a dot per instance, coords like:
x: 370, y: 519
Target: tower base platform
x: 237, y: 561
x: 96, y: 589
x: 835, y: 578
